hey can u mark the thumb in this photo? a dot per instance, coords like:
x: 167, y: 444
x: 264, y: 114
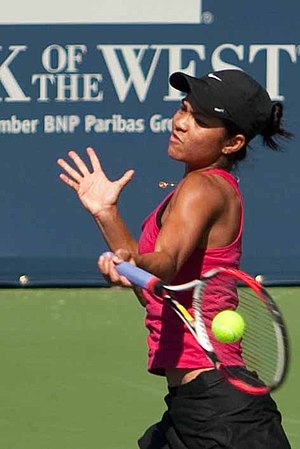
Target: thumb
x: 126, y: 178
x: 121, y: 255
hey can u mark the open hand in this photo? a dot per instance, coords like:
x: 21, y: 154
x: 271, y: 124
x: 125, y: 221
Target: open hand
x: 95, y: 191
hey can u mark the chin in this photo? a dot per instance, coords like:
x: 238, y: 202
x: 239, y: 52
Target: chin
x: 173, y: 154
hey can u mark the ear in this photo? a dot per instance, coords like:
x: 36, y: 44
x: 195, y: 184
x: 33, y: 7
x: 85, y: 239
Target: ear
x: 234, y: 144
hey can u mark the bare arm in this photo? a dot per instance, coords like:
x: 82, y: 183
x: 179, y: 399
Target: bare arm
x: 99, y: 196
x: 193, y: 211
x: 195, y: 207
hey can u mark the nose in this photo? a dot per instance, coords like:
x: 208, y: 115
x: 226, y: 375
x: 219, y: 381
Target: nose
x: 180, y: 121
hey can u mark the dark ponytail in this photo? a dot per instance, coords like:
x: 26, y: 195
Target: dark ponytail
x: 271, y: 134
x: 274, y: 130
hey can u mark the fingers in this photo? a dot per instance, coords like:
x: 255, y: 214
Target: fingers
x: 94, y: 159
x: 125, y: 178
x: 78, y: 162
x: 122, y: 255
x: 107, y: 266
x: 75, y: 177
x: 82, y: 168
x: 68, y: 169
x: 74, y: 185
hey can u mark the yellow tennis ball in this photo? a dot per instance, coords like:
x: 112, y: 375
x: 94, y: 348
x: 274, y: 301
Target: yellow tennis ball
x: 260, y: 278
x: 228, y: 326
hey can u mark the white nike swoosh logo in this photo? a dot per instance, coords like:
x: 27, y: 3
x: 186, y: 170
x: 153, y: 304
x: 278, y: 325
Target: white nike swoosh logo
x: 211, y: 75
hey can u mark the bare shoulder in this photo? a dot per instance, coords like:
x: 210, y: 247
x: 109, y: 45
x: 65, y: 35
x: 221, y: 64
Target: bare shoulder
x: 196, y: 186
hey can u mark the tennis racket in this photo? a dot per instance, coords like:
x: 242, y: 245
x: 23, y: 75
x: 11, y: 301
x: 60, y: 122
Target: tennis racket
x: 261, y: 353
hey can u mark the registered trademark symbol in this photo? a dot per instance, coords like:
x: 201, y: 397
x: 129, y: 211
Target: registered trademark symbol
x: 207, y: 17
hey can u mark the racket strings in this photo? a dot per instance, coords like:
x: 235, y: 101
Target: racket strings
x: 259, y: 343
x: 259, y: 350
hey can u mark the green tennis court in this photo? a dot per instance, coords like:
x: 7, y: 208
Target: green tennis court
x: 73, y: 369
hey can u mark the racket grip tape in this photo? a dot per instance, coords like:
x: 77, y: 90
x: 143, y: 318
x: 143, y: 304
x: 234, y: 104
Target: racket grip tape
x: 140, y: 278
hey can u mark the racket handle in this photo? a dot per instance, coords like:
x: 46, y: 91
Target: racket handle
x: 140, y: 278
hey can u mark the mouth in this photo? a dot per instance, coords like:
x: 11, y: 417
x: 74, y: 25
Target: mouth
x: 174, y: 138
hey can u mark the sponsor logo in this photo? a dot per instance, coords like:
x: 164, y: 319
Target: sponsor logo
x: 63, y: 79
x: 219, y: 110
x: 211, y: 75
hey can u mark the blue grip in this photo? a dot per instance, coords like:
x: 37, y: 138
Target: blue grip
x: 135, y: 275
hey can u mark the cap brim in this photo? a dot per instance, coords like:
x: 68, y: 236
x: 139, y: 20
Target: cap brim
x: 181, y: 81
x: 203, y: 96
x: 198, y: 88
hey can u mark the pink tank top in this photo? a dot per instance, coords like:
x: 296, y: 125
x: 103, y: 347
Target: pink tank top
x: 170, y: 344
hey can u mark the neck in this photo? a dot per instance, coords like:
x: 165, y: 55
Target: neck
x: 219, y: 166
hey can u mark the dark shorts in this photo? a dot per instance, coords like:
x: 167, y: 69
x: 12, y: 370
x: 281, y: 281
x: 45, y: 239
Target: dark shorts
x: 208, y: 413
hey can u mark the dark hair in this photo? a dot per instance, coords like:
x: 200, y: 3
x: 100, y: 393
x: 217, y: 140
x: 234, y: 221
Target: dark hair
x: 271, y: 134
x: 274, y: 130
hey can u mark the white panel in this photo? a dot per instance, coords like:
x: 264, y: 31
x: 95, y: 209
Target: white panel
x: 102, y: 11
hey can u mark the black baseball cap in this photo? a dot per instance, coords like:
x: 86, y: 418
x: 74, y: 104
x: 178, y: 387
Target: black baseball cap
x: 231, y: 95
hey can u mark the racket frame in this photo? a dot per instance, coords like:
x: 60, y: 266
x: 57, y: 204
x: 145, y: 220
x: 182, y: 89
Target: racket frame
x: 197, y: 327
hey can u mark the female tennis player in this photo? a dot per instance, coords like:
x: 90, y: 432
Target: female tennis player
x: 197, y: 227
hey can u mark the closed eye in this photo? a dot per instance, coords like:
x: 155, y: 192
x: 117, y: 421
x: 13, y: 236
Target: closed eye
x: 201, y: 121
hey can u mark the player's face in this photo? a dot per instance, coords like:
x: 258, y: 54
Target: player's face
x: 196, y: 139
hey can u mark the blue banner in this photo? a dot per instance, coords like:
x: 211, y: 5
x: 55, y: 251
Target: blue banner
x: 69, y: 86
